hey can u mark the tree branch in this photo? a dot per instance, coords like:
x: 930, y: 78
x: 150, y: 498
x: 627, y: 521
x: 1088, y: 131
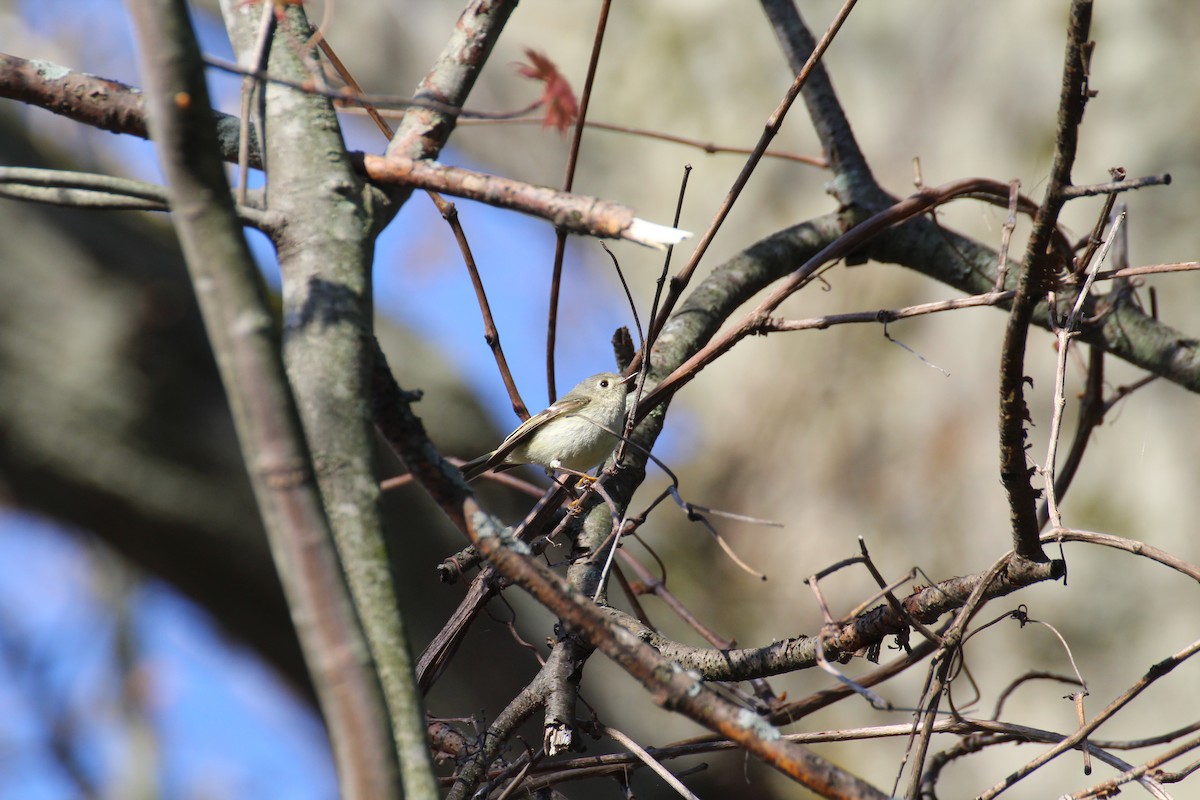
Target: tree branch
x: 74, y: 95
x: 866, y: 630
x: 98, y: 102
x: 325, y: 259
x: 571, y: 212
x: 1039, y: 273
x: 671, y: 687
x: 243, y: 339
x: 854, y: 182
x: 103, y: 192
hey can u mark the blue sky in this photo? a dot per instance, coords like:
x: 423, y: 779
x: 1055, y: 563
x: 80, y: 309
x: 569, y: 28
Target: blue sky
x: 222, y: 723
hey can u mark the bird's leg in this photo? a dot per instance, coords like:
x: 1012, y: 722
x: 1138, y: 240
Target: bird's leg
x: 584, y: 482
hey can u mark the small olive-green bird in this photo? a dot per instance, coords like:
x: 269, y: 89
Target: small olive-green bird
x: 572, y: 434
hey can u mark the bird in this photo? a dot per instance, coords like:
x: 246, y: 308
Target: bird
x: 575, y: 433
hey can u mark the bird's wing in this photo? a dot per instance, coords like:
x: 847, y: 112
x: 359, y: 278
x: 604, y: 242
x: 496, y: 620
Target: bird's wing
x: 560, y: 407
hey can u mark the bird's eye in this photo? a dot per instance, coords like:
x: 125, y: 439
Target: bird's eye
x: 603, y: 384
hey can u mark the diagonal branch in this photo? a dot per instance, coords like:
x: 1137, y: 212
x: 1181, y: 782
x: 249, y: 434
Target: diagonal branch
x: 855, y: 182
x: 424, y: 131
x: 1155, y: 672
x: 839, y: 247
x: 810, y: 67
x: 569, y: 212
x: 671, y: 687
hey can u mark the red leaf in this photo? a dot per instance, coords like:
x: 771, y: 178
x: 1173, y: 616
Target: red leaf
x: 557, y: 97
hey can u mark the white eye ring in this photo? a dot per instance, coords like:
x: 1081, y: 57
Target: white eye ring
x: 603, y: 384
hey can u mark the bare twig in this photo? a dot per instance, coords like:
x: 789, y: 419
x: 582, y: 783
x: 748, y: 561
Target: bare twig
x: 1155, y: 672
x: 669, y: 686
x: 1149, y: 269
x: 575, y: 213
x: 658, y: 587
x: 831, y: 628
x: 1128, y: 545
x: 650, y: 761
x: 1038, y: 275
x: 1117, y: 185
x: 989, y: 734
x: 774, y: 121
x: 1091, y: 414
x: 347, y: 95
x: 1032, y: 675
x: 473, y: 769
x: 886, y: 590
x: 896, y: 214
x: 560, y: 233
x: 1111, y: 786
x: 106, y: 192
x: 258, y: 63
x: 883, y: 316
x: 491, y: 334
x: 1010, y: 225
x: 939, y: 670
x: 1067, y: 330
x: 963, y: 594
x: 711, y: 148
x: 642, y: 360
